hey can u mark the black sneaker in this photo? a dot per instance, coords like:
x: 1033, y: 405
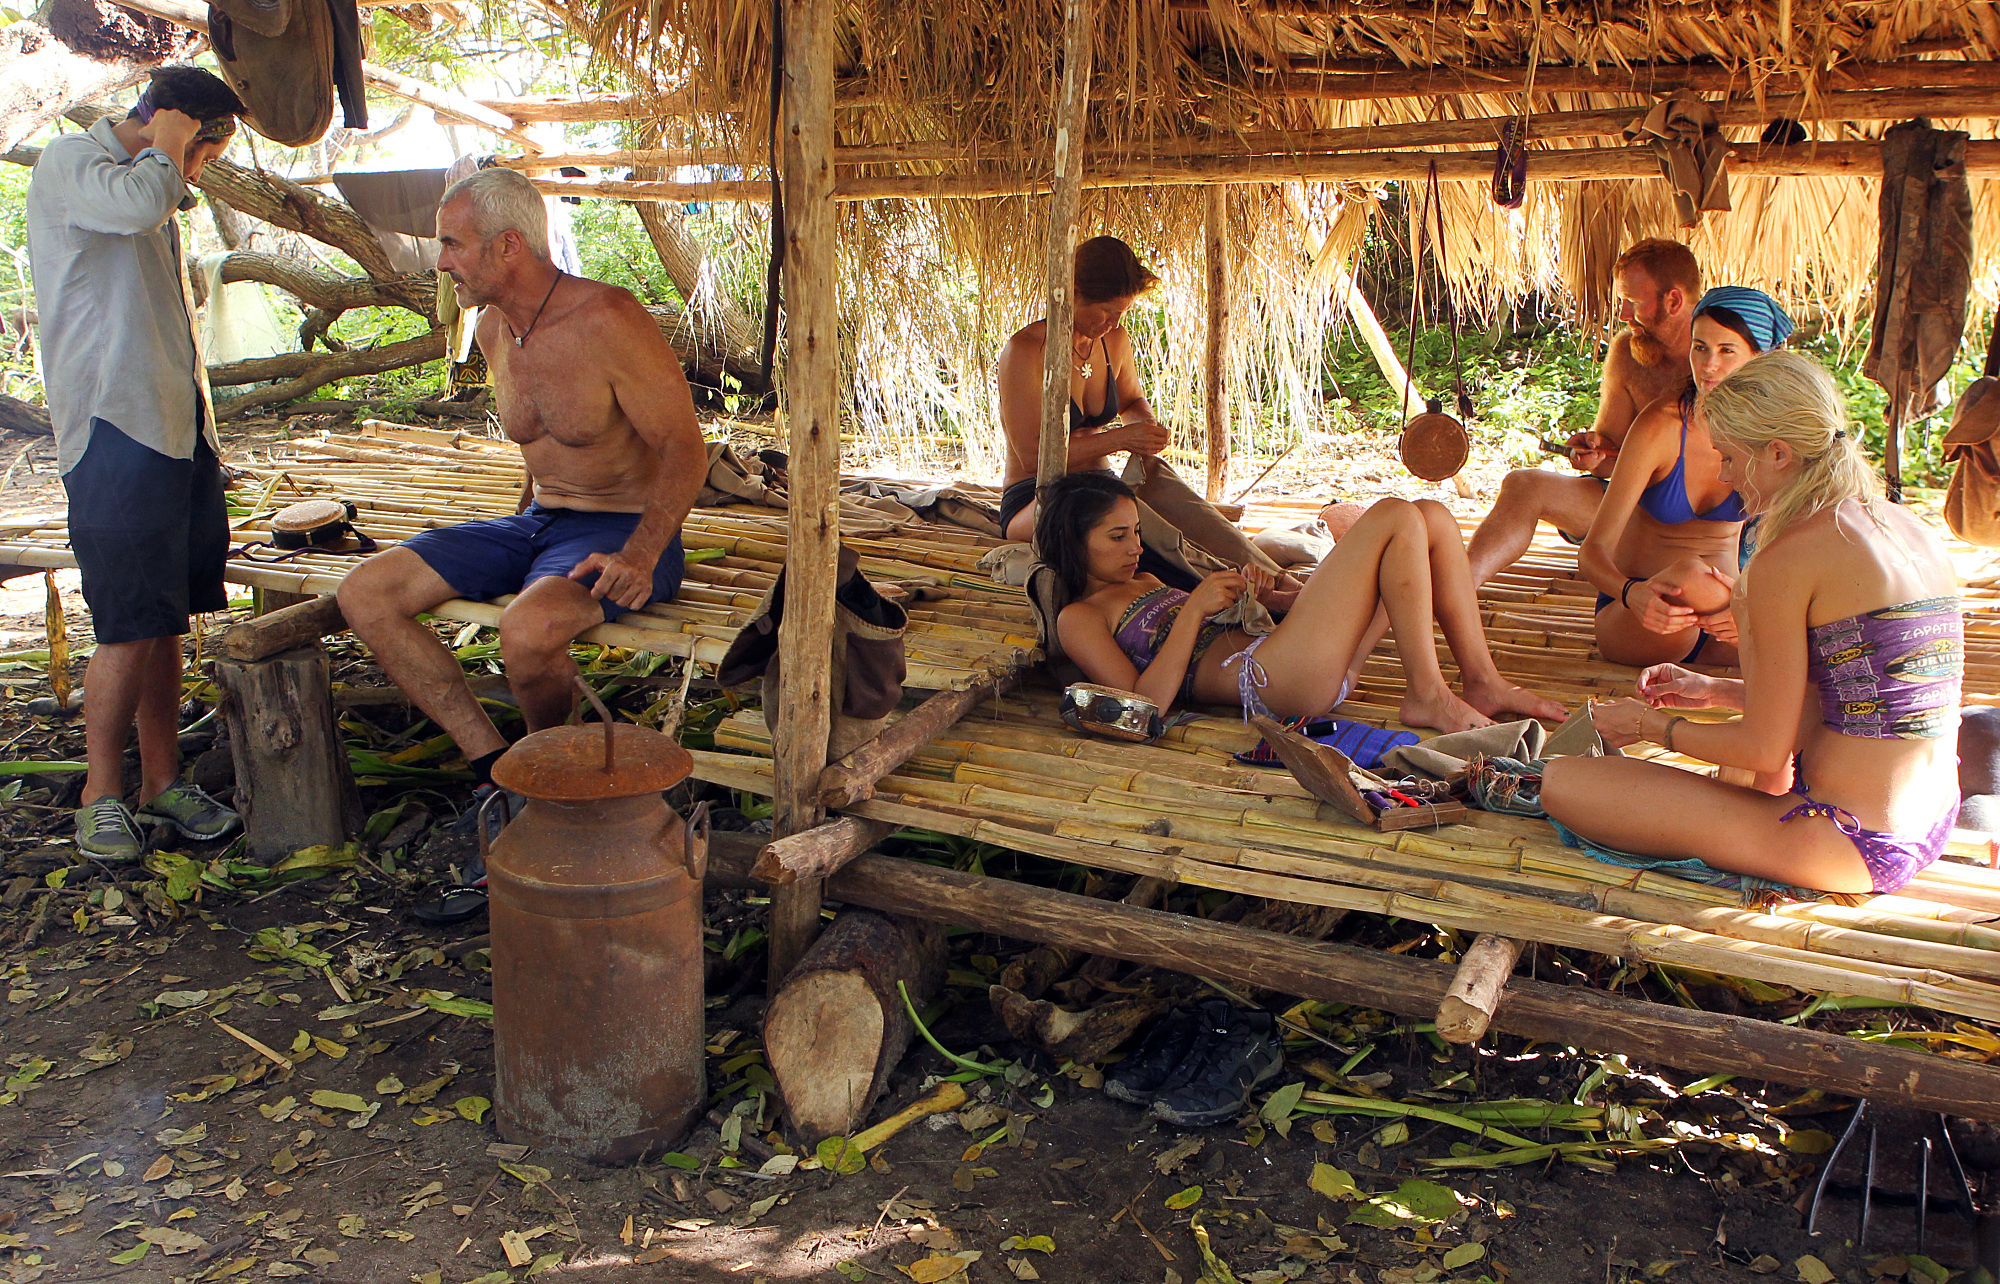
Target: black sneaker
x: 1215, y: 1082
x: 1138, y: 1077
x: 467, y: 824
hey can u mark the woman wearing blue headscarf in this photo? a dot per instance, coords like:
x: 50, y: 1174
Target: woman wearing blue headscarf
x: 1662, y: 550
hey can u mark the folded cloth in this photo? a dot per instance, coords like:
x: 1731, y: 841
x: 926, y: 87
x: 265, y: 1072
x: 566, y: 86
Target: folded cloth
x: 1362, y: 743
x: 1444, y: 757
x: 1693, y: 155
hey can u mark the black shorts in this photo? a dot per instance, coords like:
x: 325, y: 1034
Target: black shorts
x: 1012, y: 500
x: 150, y: 533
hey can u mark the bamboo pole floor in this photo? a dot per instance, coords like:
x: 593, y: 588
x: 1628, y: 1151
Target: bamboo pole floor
x: 1010, y: 774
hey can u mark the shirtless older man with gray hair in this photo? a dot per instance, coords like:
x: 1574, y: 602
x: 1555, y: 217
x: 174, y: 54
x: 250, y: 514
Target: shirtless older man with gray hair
x: 589, y: 387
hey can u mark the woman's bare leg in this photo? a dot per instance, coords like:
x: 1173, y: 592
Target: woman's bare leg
x: 1455, y: 603
x: 1385, y: 558
x: 1657, y: 810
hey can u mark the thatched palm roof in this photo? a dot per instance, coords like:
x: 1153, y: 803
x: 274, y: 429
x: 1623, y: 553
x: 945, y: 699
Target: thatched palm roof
x: 968, y: 89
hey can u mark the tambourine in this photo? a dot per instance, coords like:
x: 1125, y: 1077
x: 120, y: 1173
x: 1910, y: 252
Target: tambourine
x: 311, y: 524
x: 1434, y: 445
x: 314, y: 523
x: 1111, y: 713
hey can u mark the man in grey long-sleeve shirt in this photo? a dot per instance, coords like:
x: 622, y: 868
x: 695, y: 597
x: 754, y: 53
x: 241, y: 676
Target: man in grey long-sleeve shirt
x: 134, y: 435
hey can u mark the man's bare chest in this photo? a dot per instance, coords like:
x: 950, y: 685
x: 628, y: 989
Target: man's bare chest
x: 546, y: 398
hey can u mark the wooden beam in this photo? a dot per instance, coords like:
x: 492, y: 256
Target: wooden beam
x: 811, y: 409
x: 1603, y: 122
x: 818, y: 852
x: 852, y: 778
x: 1059, y: 252
x: 1643, y: 78
x: 578, y: 108
x: 1215, y: 387
x: 1859, y: 159
x: 282, y: 629
x: 1579, y: 1016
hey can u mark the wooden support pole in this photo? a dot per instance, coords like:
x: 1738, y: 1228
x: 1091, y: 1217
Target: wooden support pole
x: 1469, y: 1003
x: 1065, y: 198
x: 1694, y: 1041
x: 282, y: 627
x: 811, y: 411
x: 293, y: 786
x: 852, y: 778
x: 820, y: 851
x: 1216, y: 385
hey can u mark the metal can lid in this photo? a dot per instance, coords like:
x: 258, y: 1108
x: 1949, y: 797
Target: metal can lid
x: 568, y: 764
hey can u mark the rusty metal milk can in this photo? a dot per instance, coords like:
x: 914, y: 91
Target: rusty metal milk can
x: 595, y: 911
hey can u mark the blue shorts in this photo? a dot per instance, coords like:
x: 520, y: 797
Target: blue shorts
x: 485, y: 560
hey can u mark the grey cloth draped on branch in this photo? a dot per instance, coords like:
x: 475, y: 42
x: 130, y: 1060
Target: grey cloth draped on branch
x: 1693, y: 155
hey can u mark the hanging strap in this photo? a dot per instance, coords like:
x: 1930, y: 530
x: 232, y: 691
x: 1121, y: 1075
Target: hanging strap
x: 1510, y: 166
x: 774, y: 274
x: 1993, y: 349
x: 1429, y: 214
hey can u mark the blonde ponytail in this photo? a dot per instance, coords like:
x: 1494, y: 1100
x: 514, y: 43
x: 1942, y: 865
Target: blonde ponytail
x: 1787, y: 396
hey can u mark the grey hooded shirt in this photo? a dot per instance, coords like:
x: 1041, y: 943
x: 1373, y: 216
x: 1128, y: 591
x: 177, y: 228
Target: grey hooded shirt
x: 111, y: 294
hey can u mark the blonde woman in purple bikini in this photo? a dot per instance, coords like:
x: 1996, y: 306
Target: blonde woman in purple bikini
x: 1853, y: 654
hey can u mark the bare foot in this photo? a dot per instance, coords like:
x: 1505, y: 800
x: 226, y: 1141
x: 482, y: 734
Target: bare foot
x: 1442, y: 712
x: 1498, y: 696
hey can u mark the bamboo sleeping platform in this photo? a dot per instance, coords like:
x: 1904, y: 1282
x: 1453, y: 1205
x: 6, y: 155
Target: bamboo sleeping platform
x: 1009, y: 773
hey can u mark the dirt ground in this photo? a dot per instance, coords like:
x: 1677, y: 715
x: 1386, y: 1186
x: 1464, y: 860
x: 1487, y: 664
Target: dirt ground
x: 211, y: 1072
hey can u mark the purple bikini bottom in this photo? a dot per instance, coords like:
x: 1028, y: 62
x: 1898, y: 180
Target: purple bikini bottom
x: 1892, y: 861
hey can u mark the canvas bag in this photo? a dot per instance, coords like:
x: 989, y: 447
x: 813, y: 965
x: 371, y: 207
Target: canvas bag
x: 1972, y: 501
x: 286, y: 59
x: 866, y: 680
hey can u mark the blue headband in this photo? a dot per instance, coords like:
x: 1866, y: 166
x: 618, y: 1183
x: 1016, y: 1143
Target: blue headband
x: 1768, y: 323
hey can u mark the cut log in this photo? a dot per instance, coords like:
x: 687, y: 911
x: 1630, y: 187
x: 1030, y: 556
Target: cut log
x: 293, y: 786
x: 819, y: 851
x: 282, y: 629
x: 837, y: 1026
x: 1475, y: 989
x: 1698, y: 1042
x: 849, y: 779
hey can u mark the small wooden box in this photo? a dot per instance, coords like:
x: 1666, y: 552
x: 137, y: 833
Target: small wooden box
x: 1333, y: 778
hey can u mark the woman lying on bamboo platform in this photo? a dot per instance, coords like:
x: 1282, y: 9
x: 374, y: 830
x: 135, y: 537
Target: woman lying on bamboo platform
x: 1663, y: 547
x: 1853, y: 652
x: 1126, y: 629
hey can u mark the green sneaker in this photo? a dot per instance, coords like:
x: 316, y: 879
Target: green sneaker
x: 184, y: 806
x: 107, y: 830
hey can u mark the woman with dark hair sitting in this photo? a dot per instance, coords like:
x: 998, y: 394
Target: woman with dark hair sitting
x: 1107, y: 409
x: 1853, y: 659
x: 1663, y: 548
x: 1126, y: 629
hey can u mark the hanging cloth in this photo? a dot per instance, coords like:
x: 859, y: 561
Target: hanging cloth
x: 1923, y: 267
x: 1694, y: 157
x: 287, y: 59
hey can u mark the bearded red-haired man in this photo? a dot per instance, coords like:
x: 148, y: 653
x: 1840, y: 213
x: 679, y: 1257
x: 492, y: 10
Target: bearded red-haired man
x: 1658, y: 286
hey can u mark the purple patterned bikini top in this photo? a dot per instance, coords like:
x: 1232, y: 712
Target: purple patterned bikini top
x: 1148, y: 619
x: 1892, y: 674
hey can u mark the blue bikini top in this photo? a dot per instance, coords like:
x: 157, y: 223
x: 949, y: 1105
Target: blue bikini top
x: 1667, y: 498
